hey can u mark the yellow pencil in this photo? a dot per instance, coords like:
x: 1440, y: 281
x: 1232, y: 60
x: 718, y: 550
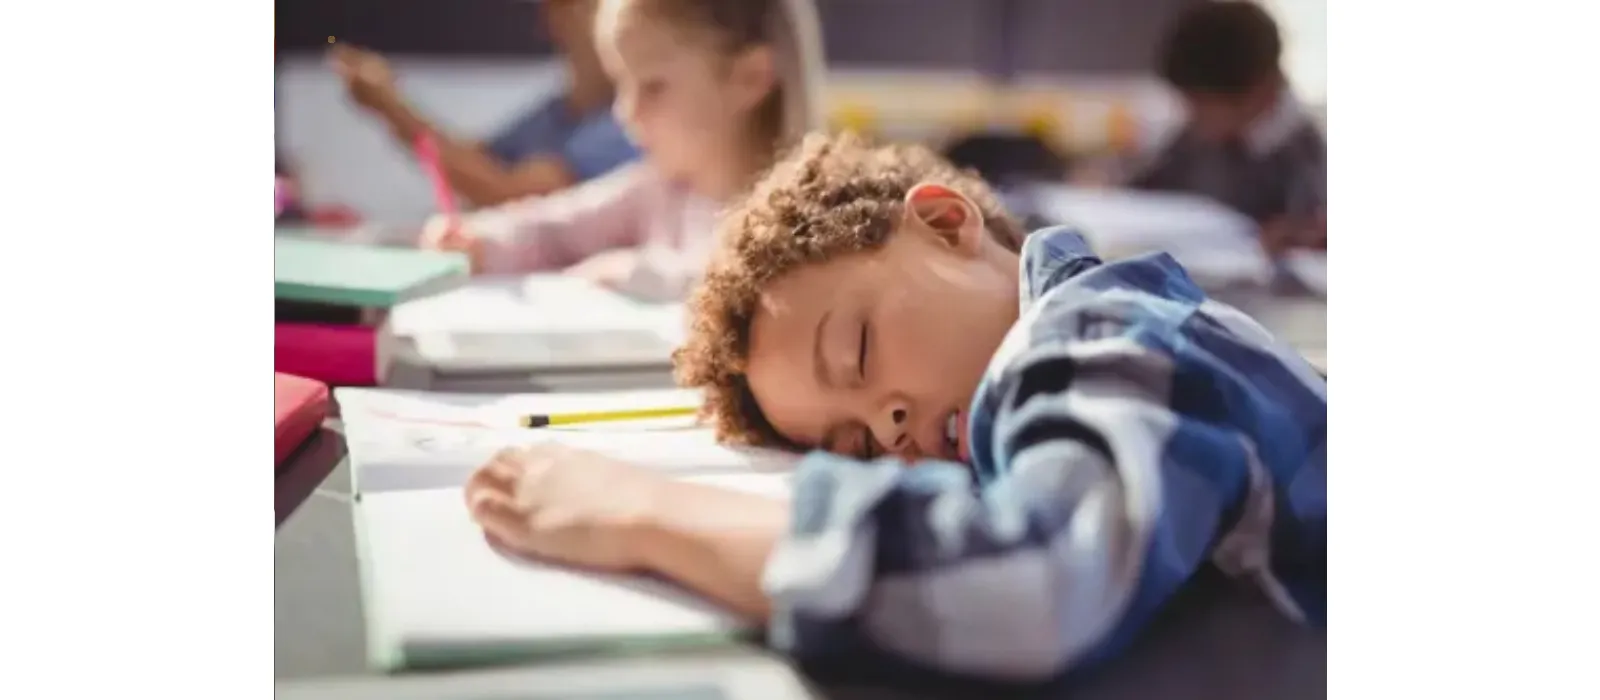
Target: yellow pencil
x: 545, y: 420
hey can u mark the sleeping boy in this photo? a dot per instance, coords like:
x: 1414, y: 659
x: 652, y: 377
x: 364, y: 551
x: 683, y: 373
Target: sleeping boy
x: 1018, y: 453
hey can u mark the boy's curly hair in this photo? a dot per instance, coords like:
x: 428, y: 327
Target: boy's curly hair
x: 830, y: 196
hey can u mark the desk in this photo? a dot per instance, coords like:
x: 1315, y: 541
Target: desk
x: 1219, y: 643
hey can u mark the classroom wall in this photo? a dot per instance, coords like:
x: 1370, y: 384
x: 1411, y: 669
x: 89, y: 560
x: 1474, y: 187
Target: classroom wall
x: 1304, y: 24
x: 343, y: 156
x: 1072, y: 36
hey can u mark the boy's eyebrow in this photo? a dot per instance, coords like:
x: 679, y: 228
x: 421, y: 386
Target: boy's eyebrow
x: 819, y: 366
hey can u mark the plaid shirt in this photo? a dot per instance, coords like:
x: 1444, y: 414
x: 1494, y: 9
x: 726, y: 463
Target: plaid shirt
x: 1279, y: 168
x: 1128, y: 432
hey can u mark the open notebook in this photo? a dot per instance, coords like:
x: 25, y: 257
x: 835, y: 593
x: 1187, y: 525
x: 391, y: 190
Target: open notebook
x: 534, y: 322
x: 437, y: 595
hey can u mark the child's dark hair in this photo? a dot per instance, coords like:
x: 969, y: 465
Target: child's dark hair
x: 1225, y: 47
x: 831, y: 196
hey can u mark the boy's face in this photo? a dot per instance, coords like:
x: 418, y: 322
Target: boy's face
x: 1217, y: 118
x: 881, y: 352
x: 1213, y: 117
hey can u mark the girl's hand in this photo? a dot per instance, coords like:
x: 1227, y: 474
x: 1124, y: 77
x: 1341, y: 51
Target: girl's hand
x: 446, y: 234
x: 565, y: 505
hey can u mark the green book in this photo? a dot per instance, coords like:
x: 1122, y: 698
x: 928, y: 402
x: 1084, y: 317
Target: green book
x: 367, y: 276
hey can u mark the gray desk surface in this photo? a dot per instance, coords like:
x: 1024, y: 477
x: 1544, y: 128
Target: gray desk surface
x: 1221, y: 643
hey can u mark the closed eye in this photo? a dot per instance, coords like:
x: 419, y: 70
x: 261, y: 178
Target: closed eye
x: 861, y: 357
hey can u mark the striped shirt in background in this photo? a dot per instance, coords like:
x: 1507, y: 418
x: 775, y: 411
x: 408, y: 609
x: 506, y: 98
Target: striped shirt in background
x: 1128, y: 432
x: 1280, y: 167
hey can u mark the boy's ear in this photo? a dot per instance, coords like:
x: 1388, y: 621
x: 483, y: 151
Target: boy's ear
x: 753, y: 76
x: 947, y: 214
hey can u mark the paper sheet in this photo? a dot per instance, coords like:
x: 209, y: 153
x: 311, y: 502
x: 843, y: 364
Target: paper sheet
x: 1211, y: 241
x: 403, y: 440
x: 434, y: 583
x: 537, y: 321
x: 1125, y: 218
x: 1310, y: 268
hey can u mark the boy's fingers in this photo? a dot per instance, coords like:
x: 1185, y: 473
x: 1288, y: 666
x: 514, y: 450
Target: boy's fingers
x: 497, y: 516
x: 501, y: 545
x: 492, y: 477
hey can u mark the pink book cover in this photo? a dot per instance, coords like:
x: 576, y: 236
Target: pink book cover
x: 333, y: 354
x: 299, y: 406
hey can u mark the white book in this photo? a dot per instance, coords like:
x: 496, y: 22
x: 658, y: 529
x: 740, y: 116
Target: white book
x: 436, y: 594
x: 534, y: 322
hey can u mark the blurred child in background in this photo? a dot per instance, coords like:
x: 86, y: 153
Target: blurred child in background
x: 710, y: 90
x: 1248, y: 142
x: 568, y: 139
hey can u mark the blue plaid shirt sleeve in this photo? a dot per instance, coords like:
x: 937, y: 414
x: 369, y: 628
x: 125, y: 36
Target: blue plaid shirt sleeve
x: 1119, y: 444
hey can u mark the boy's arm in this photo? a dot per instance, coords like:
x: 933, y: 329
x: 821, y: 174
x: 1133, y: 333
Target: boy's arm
x: 715, y: 541
x: 1112, y: 499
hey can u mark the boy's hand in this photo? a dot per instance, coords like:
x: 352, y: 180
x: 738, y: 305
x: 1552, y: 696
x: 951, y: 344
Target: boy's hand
x: 1283, y: 234
x: 366, y: 76
x: 569, y: 506
x: 446, y: 234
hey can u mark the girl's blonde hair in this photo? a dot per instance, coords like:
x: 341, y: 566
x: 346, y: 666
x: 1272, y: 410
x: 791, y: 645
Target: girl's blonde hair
x: 789, y: 28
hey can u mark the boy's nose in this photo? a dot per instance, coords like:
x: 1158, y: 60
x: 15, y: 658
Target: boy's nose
x: 894, y: 419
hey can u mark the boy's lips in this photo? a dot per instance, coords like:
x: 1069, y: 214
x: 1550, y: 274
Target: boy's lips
x: 952, y: 440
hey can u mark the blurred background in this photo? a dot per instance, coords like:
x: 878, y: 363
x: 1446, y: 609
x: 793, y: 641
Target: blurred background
x: 1076, y: 75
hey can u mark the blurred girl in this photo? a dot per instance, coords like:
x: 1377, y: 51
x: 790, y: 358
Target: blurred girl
x: 709, y: 90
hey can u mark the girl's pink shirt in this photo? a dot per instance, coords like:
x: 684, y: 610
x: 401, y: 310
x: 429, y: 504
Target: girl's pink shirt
x: 630, y: 207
